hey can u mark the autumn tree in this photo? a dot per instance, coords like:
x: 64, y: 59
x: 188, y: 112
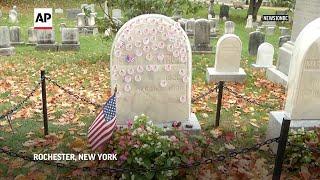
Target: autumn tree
x: 254, y: 6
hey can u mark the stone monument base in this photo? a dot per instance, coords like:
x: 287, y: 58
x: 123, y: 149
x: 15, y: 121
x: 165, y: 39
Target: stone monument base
x: 31, y: 44
x: 69, y: 47
x: 256, y: 66
x: 47, y: 47
x: 192, y: 125
x: 7, y: 51
x: 202, y: 49
x: 277, y: 76
x: 16, y: 43
x: 214, y: 76
x: 275, y: 122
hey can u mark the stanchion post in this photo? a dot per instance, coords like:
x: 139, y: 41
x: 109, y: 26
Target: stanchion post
x: 219, y: 102
x: 281, y: 149
x: 44, y: 102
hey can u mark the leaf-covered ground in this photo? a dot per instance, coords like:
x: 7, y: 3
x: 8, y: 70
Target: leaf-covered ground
x: 87, y: 73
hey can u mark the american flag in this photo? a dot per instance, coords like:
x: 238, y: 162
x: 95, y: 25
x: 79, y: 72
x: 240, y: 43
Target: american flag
x: 102, y: 127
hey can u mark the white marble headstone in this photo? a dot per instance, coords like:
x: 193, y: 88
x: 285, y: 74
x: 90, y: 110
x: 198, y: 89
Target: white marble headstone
x: 229, y: 27
x: 249, y: 24
x: 4, y: 37
x: 116, y: 13
x: 151, y: 66
x: 92, y: 19
x: 303, y: 100
x: 265, y: 55
x: 228, y: 53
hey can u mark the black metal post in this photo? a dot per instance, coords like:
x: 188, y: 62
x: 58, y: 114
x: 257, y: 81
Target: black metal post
x: 44, y: 102
x: 281, y: 149
x: 219, y: 102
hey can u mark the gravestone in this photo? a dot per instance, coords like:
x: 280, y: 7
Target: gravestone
x: 264, y: 56
x: 5, y: 47
x: 151, y: 67
x: 13, y: 15
x: 249, y: 24
x: 284, y: 39
x: 224, y: 11
x: 227, y: 60
x: 190, y: 27
x: 117, y: 14
x: 305, y: 12
x: 303, y: 96
x: 183, y: 23
x: 15, y: 36
x: 270, y: 30
x: 81, y: 20
x: 284, y: 31
x: 86, y: 25
x: 72, y: 13
x: 213, y: 26
x: 202, y: 36
x: 32, y: 36
x: 62, y: 25
x: 70, y: 39
x: 229, y: 27
x: 92, y: 19
x: 255, y: 39
x: 46, y: 40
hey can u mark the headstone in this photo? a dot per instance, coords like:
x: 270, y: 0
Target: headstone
x: 224, y: 11
x: 249, y: 24
x: 284, y: 39
x: 183, y: 23
x: 284, y: 31
x: 70, y: 39
x: 255, y: 39
x: 270, y: 30
x: 303, y: 96
x: 190, y: 27
x: 92, y: 19
x: 228, y: 53
x: 81, y: 20
x: 151, y: 67
x: 13, y: 15
x: 227, y: 60
x: 15, y: 35
x: 58, y: 11
x: 265, y: 56
x: 5, y: 47
x: 213, y: 26
x: 72, y: 13
x: 229, y: 27
x: 284, y: 58
x: 32, y: 36
x: 202, y: 36
x: 62, y: 25
x: 117, y: 13
x: 305, y: 12
x: 46, y: 40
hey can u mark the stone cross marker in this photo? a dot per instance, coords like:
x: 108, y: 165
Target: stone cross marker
x: 303, y: 99
x: 202, y: 36
x: 151, y: 67
x: 255, y: 39
x: 265, y: 55
x: 229, y: 27
x: 228, y: 53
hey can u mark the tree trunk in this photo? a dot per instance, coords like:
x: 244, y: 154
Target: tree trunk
x: 254, y: 8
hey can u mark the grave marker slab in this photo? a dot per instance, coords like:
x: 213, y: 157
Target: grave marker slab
x: 229, y: 27
x: 249, y: 24
x: 70, y: 39
x: 15, y: 36
x: 202, y: 36
x: 264, y: 56
x: 151, y: 67
x: 224, y: 11
x: 190, y: 27
x: 255, y: 39
x: 32, y: 36
x: 46, y: 40
x: 5, y: 47
x: 227, y: 60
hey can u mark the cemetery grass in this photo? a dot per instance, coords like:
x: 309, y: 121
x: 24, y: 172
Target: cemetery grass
x: 87, y: 73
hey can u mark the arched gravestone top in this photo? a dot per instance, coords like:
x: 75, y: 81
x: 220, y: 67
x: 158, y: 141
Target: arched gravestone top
x: 228, y: 53
x: 303, y: 100
x: 229, y: 27
x: 265, y: 55
x: 151, y: 66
